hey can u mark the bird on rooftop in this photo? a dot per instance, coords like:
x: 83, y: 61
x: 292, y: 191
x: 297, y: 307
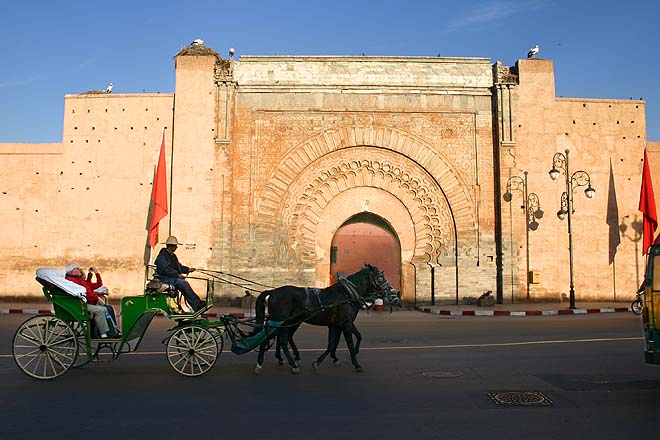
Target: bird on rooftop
x: 533, y: 51
x: 197, y: 42
x: 109, y: 88
x: 231, y: 52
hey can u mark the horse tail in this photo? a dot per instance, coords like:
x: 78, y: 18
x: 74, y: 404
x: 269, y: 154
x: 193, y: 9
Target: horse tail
x: 260, y: 310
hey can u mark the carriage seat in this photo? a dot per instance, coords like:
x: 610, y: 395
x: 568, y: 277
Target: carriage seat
x: 56, y: 282
x: 68, y: 298
x: 156, y: 287
x: 172, y: 302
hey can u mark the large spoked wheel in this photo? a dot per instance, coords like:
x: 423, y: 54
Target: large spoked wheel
x: 45, y: 347
x: 192, y: 351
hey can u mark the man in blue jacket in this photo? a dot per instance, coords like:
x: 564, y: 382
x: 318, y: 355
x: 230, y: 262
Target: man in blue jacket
x: 170, y: 271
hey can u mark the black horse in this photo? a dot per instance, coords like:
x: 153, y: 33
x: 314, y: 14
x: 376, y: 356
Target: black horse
x: 335, y: 307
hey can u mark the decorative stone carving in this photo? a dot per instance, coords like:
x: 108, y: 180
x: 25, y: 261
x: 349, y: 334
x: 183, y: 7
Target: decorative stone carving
x: 427, y: 180
x: 424, y: 201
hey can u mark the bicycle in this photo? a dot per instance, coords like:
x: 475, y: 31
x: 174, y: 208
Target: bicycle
x: 637, y: 306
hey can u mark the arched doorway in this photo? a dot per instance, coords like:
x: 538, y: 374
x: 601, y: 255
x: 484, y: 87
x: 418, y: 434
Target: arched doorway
x: 366, y: 238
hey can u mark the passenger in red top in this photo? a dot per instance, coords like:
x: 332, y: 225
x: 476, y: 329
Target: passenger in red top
x: 95, y: 305
x: 75, y: 274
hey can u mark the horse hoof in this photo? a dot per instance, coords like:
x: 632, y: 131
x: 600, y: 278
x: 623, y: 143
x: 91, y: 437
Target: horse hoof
x: 336, y: 363
x: 295, y: 370
x: 315, y: 367
x: 257, y: 370
x: 359, y: 369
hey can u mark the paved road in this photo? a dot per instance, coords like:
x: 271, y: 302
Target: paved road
x: 427, y: 377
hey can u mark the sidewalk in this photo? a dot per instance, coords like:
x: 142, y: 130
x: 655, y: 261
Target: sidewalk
x: 525, y: 308
x: 440, y: 308
x: 44, y: 307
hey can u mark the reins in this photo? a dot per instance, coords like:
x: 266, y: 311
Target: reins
x: 215, y: 274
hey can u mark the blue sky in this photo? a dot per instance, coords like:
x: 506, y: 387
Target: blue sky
x: 601, y: 49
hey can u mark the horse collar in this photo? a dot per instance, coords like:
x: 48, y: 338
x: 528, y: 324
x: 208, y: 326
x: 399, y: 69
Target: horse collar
x: 350, y: 287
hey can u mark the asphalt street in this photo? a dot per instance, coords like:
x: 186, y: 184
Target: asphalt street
x: 426, y: 377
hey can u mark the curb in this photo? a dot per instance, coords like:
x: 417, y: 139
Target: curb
x: 419, y: 308
x: 521, y: 313
x: 50, y: 312
x: 26, y: 311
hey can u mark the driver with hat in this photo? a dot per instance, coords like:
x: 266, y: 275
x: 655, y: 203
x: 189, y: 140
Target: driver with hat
x: 170, y: 271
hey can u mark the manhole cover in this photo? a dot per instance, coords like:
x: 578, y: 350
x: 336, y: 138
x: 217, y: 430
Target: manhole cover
x: 442, y: 374
x: 521, y: 398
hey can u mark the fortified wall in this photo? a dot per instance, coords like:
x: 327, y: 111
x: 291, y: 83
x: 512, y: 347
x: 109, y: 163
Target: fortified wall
x: 269, y: 156
x: 605, y: 138
x: 86, y: 199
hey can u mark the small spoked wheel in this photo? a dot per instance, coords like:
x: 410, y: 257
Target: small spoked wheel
x: 637, y: 307
x: 45, y: 347
x: 192, y: 351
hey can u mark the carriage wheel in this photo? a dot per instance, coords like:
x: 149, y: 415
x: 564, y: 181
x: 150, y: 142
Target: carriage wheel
x: 192, y: 351
x: 44, y: 347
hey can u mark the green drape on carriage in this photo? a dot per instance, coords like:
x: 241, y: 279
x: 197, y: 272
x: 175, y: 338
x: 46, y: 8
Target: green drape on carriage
x: 249, y: 343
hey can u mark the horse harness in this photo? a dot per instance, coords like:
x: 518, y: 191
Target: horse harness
x: 313, y: 295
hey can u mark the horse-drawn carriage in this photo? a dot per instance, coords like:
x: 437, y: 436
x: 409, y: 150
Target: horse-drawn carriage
x: 47, y: 346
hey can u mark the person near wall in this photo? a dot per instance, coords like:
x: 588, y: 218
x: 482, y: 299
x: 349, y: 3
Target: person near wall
x: 170, y: 271
x: 95, y: 304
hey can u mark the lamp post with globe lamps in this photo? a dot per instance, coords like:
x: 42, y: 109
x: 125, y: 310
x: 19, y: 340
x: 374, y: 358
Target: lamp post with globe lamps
x: 532, y: 208
x: 573, y: 181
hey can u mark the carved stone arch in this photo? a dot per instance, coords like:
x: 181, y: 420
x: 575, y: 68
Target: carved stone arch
x: 312, y: 189
x: 447, y: 174
x: 435, y: 194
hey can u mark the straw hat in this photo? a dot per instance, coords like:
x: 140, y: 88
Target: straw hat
x: 172, y: 240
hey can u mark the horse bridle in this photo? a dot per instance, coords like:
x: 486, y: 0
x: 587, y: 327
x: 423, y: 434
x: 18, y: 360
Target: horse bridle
x: 379, y: 281
x: 376, y: 280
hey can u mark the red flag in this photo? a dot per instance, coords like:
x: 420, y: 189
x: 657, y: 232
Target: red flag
x: 647, y: 206
x: 159, y: 196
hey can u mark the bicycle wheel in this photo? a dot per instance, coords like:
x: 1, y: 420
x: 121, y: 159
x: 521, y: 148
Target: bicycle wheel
x: 44, y: 347
x: 192, y: 351
x: 637, y: 307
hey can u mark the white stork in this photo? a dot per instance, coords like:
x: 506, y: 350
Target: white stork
x: 109, y: 88
x: 197, y: 42
x: 533, y: 51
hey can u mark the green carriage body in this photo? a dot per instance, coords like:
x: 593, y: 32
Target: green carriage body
x: 136, y: 315
x: 46, y: 346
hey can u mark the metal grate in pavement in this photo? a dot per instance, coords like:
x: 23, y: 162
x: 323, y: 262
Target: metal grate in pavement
x: 520, y: 398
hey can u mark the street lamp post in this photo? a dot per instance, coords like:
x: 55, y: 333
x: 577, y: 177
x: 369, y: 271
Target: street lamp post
x: 573, y: 181
x: 532, y: 209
